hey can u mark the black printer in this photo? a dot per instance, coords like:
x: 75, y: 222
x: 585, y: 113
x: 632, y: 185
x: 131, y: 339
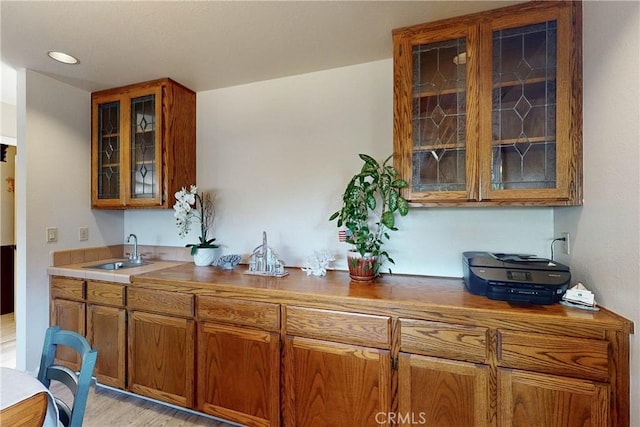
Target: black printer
x: 515, y: 277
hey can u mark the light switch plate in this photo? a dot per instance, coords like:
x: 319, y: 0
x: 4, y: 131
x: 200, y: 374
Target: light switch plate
x: 52, y: 234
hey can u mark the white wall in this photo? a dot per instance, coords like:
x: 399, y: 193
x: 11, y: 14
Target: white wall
x: 53, y: 189
x: 8, y: 120
x: 606, y: 249
x: 278, y: 155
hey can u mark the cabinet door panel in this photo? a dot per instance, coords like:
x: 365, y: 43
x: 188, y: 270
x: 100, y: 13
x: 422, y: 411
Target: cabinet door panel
x: 107, y: 152
x: 435, y: 133
x: 239, y: 374
x: 161, y: 357
x: 144, y: 152
x: 69, y: 315
x: 440, y: 392
x: 106, y: 331
x: 331, y: 384
x: 530, y: 399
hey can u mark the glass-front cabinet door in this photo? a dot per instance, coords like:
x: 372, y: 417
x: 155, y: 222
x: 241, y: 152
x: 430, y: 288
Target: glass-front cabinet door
x: 530, y: 108
x: 127, y: 149
x: 440, y: 145
x: 107, y: 156
x: 144, y: 157
x: 487, y: 107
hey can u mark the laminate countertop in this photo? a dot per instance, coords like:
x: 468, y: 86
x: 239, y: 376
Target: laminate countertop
x: 396, y: 294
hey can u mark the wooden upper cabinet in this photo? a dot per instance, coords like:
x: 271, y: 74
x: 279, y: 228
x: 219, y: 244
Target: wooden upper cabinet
x: 488, y: 107
x: 143, y: 144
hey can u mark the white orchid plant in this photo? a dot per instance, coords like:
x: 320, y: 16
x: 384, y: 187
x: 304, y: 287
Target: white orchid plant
x: 191, y: 206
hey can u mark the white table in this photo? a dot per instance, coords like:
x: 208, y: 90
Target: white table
x: 24, y: 399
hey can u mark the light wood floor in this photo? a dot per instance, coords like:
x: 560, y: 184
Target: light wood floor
x: 106, y: 407
x: 8, y: 341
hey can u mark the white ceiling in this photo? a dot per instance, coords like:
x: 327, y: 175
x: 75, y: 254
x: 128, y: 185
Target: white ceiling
x: 206, y: 44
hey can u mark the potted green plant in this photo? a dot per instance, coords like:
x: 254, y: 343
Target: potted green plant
x: 369, y: 206
x: 192, y: 206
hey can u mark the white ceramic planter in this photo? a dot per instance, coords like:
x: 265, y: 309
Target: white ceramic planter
x: 205, y: 256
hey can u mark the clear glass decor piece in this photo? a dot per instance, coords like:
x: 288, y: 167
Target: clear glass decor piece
x: 317, y: 263
x: 264, y: 261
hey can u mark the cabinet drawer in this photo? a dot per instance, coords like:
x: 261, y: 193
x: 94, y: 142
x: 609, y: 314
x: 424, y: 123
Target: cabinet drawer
x: 344, y: 327
x: 458, y: 342
x: 165, y: 302
x: 261, y: 315
x: 568, y: 356
x: 67, y: 288
x: 106, y: 293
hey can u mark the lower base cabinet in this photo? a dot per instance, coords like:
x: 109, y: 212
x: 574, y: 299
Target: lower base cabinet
x: 331, y: 384
x: 106, y: 331
x: 161, y: 357
x: 69, y: 315
x: 239, y: 374
x: 532, y: 399
x: 263, y: 359
x: 443, y: 393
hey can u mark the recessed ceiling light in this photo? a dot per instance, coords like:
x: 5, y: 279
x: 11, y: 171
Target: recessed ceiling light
x: 62, y: 57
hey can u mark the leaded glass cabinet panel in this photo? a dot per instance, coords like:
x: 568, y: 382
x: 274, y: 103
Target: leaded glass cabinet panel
x: 488, y: 107
x: 435, y: 93
x: 109, y: 144
x: 145, y: 159
x: 532, y: 119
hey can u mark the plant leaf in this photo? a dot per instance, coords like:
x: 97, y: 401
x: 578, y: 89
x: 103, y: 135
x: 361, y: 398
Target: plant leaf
x: 399, y: 183
x: 388, y: 220
x: 403, y: 206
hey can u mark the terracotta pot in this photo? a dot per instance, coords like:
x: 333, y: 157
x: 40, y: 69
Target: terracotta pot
x: 361, y: 268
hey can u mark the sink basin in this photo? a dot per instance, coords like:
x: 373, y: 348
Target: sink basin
x: 117, y: 265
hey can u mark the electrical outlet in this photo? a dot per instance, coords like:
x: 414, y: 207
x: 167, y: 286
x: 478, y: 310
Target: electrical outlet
x: 566, y: 245
x: 52, y: 234
x: 83, y: 233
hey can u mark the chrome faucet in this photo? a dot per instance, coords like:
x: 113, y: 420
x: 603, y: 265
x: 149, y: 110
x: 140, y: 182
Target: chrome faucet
x: 133, y: 256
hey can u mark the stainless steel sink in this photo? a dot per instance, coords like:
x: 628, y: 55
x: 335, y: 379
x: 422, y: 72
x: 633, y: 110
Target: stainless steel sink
x: 117, y: 265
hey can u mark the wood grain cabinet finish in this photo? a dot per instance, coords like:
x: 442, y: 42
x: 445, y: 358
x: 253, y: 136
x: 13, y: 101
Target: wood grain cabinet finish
x: 159, y: 301
x: 161, y: 359
x: 143, y: 144
x: 107, y: 330
x: 339, y: 326
x: 443, y: 393
x: 69, y: 315
x: 331, y: 377
x: 239, y: 374
x: 532, y: 399
x: 97, y: 312
x: 334, y: 384
x: 238, y: 361
x: 488, y: 107
x: 406, y: 350
x: 449, y: 341
x: 107, y: 333
x: 261, y: 315
x: 567, y: 356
